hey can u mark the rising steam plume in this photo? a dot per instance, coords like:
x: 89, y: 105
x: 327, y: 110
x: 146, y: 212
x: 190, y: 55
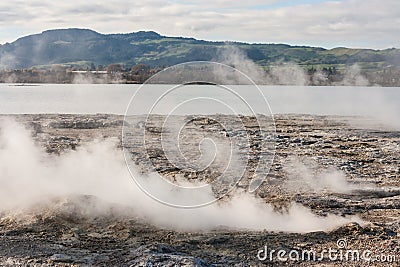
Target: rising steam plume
x: 29, y: 176
x: 288, y: 73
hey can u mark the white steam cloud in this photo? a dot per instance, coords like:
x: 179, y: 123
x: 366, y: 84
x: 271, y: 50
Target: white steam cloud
x: 305, y: 176
x: 29, y: 176
x: 289, y: 74
x: 285, y: 73
x: 353, y: 77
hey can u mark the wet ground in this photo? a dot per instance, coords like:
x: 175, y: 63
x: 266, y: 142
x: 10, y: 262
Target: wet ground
x: 365, y: 156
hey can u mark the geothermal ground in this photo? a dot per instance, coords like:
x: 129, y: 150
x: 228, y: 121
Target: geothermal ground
x: 343, y: 166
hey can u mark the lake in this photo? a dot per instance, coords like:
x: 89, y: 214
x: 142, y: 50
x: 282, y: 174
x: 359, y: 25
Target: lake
x: 380, y: 103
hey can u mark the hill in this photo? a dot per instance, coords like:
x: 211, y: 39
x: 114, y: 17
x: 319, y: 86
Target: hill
x: 83, y: 46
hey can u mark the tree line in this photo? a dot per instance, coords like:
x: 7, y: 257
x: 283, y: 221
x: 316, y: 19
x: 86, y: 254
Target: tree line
x: 118, y: 73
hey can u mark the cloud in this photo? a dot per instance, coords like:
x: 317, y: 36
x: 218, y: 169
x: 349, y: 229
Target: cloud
x: 364, y: 23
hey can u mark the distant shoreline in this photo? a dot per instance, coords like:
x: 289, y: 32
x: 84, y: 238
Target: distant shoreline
x: 284, y: 75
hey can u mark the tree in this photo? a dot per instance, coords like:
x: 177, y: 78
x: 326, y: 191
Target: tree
x: 114, y: 68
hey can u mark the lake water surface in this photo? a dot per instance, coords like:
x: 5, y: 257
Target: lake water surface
x: 381, y: 103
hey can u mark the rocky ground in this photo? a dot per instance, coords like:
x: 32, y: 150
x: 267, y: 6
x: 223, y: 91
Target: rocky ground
x: 367, y: 155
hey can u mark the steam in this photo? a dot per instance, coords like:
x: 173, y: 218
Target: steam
x: 80, y: 78
x: 92, y: 77
x: 288, y: 73
x: 7, y: 61
x: 319, y: 78
x: 233, y: 56
x: 307, y: 177
x: 283, y: 74
x: 12, y: 78
x: 28, y: 176
x: 353, y: 77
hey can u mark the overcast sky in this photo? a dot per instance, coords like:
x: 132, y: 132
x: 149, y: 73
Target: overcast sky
x: 352, y: 23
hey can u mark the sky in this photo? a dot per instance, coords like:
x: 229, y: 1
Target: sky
x: 324, y: 23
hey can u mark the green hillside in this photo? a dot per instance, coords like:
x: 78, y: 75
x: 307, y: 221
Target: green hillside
x: 80, y: 45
